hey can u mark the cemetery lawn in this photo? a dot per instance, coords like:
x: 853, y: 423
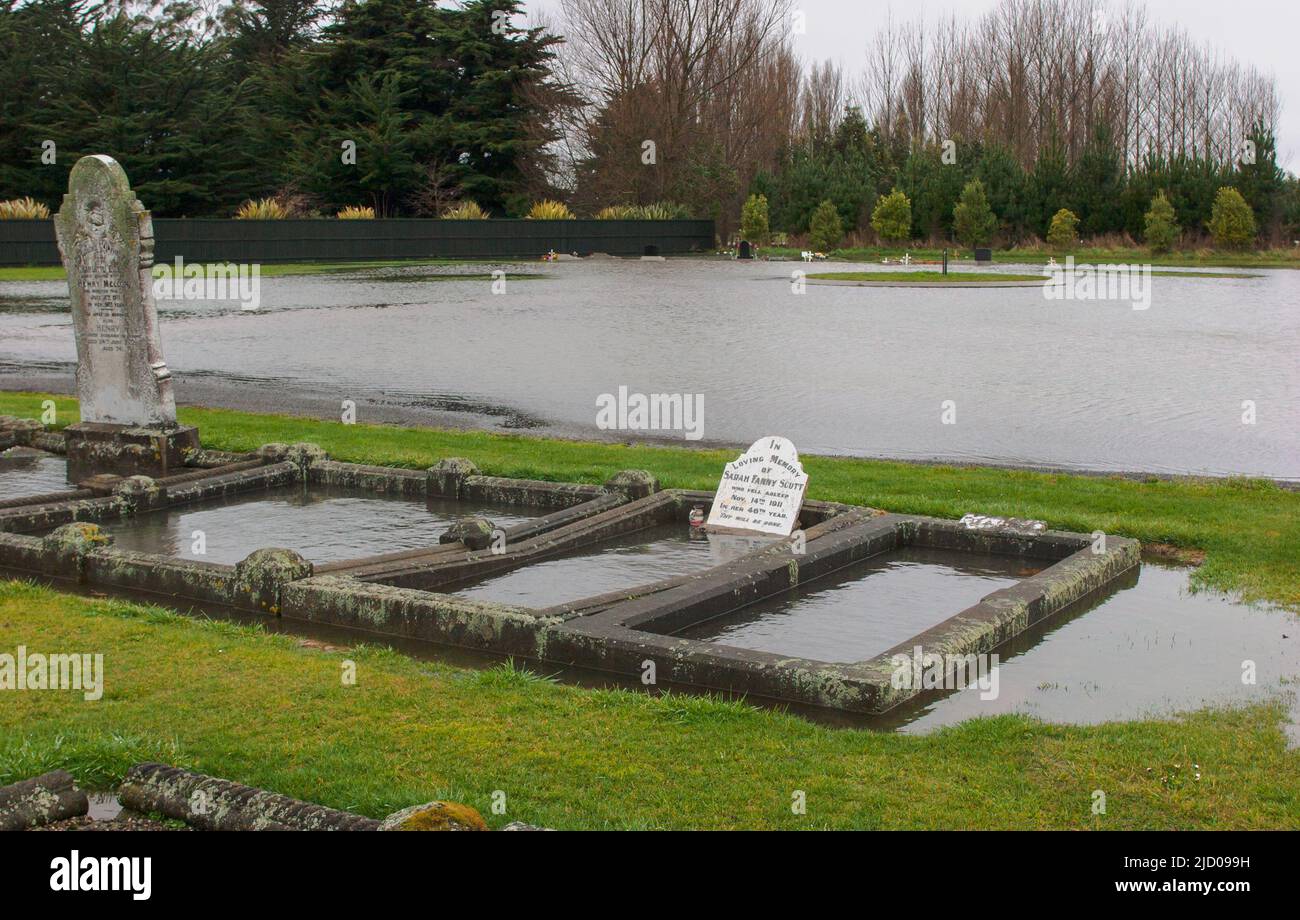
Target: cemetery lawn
x: 271, y: 710
x: 1247, y: 529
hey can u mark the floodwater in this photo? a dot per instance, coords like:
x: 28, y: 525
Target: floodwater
x: 627, y: 561
x: 1205, y: 380
x: 1146, y: 648
x: 322, y: 524
x: 23, y: 473
x: 866, y: 608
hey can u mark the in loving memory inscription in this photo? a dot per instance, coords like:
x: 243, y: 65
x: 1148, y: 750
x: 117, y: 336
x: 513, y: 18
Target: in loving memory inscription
x: 761, y: 491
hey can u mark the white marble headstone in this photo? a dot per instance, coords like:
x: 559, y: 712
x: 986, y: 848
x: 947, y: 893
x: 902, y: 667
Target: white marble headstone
x: 106, y: 241
x: 761, y: 492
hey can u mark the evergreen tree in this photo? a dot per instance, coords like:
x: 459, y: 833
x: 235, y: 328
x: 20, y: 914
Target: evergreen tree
x: 417, y: 85
x: 1064, y: 229
x: 973, y: 221
x: 892, y: 217
x: 824, y: 228
x: 1232, y: 222
x: 1260, y: 181
x: 1161, y: 224
x: 753, y: 220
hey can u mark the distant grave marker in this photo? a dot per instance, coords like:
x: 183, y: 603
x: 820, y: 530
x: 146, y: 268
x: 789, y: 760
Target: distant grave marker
x: 128, y: 413
x: 761, y: 491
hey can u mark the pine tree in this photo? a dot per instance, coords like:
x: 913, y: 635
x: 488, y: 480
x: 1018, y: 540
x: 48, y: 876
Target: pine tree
x: 973, y: 221
x: 1232, y: 223
x: 824, y: 228
x: 1161, y: 224
x: 892, y: 217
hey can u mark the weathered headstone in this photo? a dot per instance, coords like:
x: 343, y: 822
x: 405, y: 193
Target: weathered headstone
x: 128, y: 414
x: 761, y: 491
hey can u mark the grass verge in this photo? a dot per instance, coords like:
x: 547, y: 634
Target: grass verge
x: 267, y: 710
x: 1249, y: 529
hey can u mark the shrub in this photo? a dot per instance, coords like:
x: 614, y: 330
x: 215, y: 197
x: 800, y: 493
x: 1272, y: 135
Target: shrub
x: 549, y: 210
x: 466, y: 210
x: 617, y: 212
x: 1232, y: 222
x: 1161, y: 224
x: 825, y: 230
x: 753, y: 220
x: 973, y: 221
x: 1064, y: 230
x: 664, y: 210
x: 892, y: 217
x: 264, y: 209
x: 23, y: 209
x: 356, y: 213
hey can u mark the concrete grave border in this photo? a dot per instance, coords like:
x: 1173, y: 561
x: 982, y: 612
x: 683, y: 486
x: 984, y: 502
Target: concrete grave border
x: 401, y: 594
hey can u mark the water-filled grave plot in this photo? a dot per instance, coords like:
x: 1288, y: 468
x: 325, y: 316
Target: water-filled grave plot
x: 625, y: 562
x: 26, y: 472
x: 321, y: 523
x: 867, y: 608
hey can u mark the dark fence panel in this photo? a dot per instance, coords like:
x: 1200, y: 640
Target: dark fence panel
x: 31, y: 242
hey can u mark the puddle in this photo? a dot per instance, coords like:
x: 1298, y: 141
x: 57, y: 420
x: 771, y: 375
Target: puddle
x: 323, y: 524
x: 865, y: 608
x: 1149, y: 648
x: 634, y: 559
x: 31, y: 473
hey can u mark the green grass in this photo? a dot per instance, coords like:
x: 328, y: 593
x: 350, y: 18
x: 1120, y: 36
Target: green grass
x: 266, y: 710
x: 1248, y: 528
x: 267, y: 269
x: 1267, y: 258
x: 927, y: 277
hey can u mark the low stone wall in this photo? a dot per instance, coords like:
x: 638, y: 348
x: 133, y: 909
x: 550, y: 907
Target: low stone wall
x: 399, y: 594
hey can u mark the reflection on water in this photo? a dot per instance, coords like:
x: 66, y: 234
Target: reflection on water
x: 26, y: 472
x: 628, y: 561
x: 1148, y: 649
x: 867, y: 608
x: 851, y: 370
x: 322, y: 524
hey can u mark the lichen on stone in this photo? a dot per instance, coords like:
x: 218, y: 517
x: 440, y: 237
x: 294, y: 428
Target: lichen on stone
x: 77, y: 537
x: 435, y: 816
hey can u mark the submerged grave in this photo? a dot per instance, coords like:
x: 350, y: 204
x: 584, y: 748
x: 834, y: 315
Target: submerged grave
x: 606, y: 577
x: 623, y: 577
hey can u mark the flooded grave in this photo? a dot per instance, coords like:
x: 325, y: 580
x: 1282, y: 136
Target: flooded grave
x: 605, y: 578
x: 25, y: 472
x: 1146, y: 646
x: 867, y: 608
x: 623, y: 563
x: 320, y: 523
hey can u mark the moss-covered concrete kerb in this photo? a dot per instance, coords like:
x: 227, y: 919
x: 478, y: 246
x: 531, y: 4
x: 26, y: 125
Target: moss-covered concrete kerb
x: 401, y: 593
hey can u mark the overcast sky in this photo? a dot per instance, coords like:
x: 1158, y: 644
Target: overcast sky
x: 1265, y: 33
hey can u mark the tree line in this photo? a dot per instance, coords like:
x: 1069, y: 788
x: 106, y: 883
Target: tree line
x: 401, y: 105
x: 414, y: 108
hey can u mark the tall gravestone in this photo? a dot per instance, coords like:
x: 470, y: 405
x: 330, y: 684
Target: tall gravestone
x: 128, y: 414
